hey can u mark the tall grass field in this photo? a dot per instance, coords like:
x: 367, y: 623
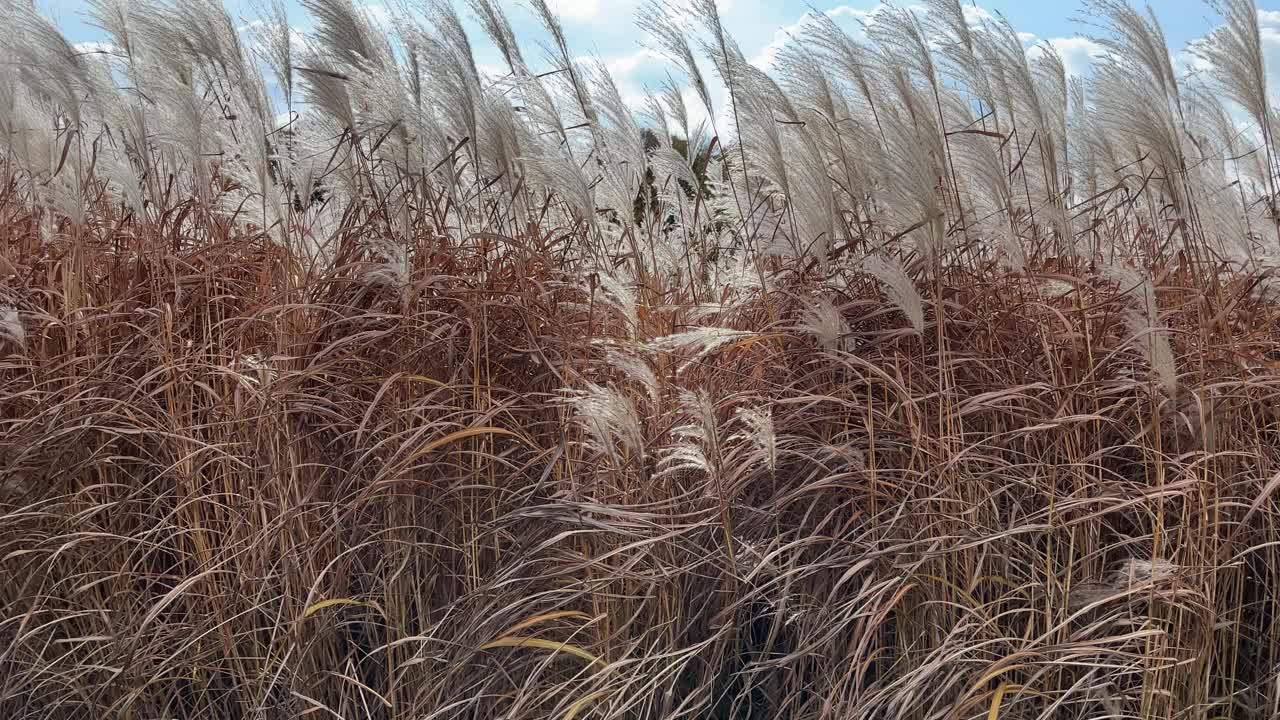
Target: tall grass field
x: 909, y: 377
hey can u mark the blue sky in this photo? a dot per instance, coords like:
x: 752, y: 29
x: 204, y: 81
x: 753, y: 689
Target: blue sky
x: 605, y: 28
x: 607, y: 23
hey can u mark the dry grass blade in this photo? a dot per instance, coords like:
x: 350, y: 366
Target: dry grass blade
x: 919, y: 381
x: 551, y: 645
x: 335, y: 602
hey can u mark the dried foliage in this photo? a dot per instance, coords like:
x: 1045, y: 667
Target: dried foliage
x: 921, y: 383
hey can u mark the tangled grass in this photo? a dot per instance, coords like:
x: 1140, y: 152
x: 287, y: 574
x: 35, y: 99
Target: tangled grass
x: 938, y: 386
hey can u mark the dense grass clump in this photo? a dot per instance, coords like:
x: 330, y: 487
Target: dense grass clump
x: 341, y: 379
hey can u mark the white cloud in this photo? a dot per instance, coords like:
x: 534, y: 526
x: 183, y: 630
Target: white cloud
x: 379, y: 15
x: 648, y: 62
x: 974, y: 15
x: 1269, y: 20
x: 844, y: 14
x: 623, y: 67
x: 94, y: 47
x: 858, y: 15
x: 575, y: 10
x: 1186, y: 62
x: 1077, y: 53
x: 255, y: 32
x: 1269, y: 25
x: 620, y: 67
x: 492, y: 71
x: 769, y: 53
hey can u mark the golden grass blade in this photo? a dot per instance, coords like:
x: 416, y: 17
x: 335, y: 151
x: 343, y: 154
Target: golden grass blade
x: 581, y: 703
x: 335, y: 602
x: 545, y: 617
x: 996, y: 700
x: 551, y: 645
x: 463, y: 435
